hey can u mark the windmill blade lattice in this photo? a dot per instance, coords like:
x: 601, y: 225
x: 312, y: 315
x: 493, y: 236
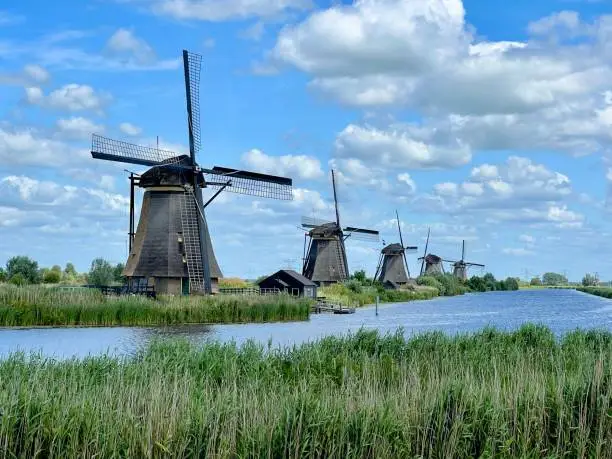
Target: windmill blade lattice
x: 250, y: 183
x: 125, y: 152
x: 193, y: 68
x: 313, y: 222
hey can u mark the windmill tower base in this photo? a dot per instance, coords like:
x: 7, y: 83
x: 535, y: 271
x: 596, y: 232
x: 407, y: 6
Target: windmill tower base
x: 158, y: 254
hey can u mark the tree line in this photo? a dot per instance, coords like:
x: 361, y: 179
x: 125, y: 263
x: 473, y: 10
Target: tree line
x: 22, y: 270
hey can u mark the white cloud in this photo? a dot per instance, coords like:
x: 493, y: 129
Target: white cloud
x: 214, y: 10
x: 70, y: 97
x: 27, y: 147
x: 407, y: 181
x: 399, y: 146
x: 527, y: 238
x: 125, y: 44
x: 28, y: 76
x: 517, y: 190
x: 209, y: 43
x: 302, y: 166
x: 44, y: 194
x: 541, y: 93
x: 77, y: 127
x: 130, y: 129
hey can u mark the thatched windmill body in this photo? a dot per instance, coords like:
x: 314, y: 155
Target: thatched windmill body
x: 460, y: 267
x: 325, y: 260
x: 392, y: 269
x: 171, y: 248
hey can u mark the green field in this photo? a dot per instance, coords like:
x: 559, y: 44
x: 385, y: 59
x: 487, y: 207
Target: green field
x: 492, y: 394
x: 42, y: 306
x: 367, y: 295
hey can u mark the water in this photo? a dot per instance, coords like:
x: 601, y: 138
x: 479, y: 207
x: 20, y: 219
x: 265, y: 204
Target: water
x: 561, y: 310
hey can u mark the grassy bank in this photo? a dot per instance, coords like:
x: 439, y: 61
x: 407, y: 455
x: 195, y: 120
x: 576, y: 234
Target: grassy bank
x: 491, y: 394
x: 605, y: 292
x: 34, y: 306
x: 367, y: 294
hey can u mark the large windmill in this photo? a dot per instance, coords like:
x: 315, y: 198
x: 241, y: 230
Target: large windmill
x: 171, y: 248
x: 460, y: 267
x: 392, y: 267
x: 324, y: 250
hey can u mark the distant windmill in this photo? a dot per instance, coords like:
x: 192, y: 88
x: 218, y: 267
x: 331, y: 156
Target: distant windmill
x: 460, y: 267
x: 171, y: 248
x: 324, y: 250
x: 392, y: 267
x: 430, y: 264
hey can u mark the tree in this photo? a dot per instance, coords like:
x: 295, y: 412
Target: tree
x: 554, y: 279
x: 490, y: 282
x: 512, y: 283
x: 589, y: 280
x: 118, y: 273
x: 52, y: 276
x: 2, y: 275
x: 536, y: 281
x: 360, y: 276
x: 101, y: 273
x: 69, y: 270
x: 24, y: 266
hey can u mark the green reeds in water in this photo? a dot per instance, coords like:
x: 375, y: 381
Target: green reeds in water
x: 605, y: 292
x: 40, y: 306
x: 491, y: 394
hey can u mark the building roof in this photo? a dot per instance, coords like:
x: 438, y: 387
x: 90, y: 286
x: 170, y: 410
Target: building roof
x: 393, y: 249
x: 292, y: 274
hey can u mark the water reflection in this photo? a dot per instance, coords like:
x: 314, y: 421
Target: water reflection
x: 561, y: 310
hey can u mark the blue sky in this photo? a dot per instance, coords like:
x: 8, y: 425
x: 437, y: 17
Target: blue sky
x: 486, y: 121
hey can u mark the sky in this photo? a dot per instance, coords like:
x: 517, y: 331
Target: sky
x: 489, y: 122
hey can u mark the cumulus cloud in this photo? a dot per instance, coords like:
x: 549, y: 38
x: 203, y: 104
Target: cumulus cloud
x: 20, y: 189
x: 517, y: 190
x: 77, y: 127
x: 541, y: 93
x: 28, y: 147
x: 130, y: 129
x: 402, y: 146
x: 125, y: 44
x: 70, y: 97
x: 214, y: 10
x: 30, y: 75
x: 302, y: 166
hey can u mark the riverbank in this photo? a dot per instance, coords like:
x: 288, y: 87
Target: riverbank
x: 605, y: 292
x: 40, y: 306
x: 366, y: 295
x: 492, y: 393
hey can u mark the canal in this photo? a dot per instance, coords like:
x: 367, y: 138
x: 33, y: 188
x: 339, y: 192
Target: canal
x: 561, y: 310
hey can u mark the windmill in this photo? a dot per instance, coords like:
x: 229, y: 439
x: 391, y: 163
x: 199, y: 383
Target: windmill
x: 171, y: 248
x: 460, y: 267
x: 392, y: 267
x: 430, y: 264
x: 324, y: 250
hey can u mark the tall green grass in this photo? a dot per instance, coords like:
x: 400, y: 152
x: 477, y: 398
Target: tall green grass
x: 34, y: 306
x: 367, y: 294
x: 605, y: 292
x: 491, y: 394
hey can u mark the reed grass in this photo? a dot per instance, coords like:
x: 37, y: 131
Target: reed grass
x: 605, y: 292
x: 41, y: 306
x: 367, y: 295
x: 491, y: 394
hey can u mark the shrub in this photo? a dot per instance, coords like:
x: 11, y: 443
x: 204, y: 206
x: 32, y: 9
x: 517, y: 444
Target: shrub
x: 431, y: 281
x: 18, y: 279
x: 52, y: 277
